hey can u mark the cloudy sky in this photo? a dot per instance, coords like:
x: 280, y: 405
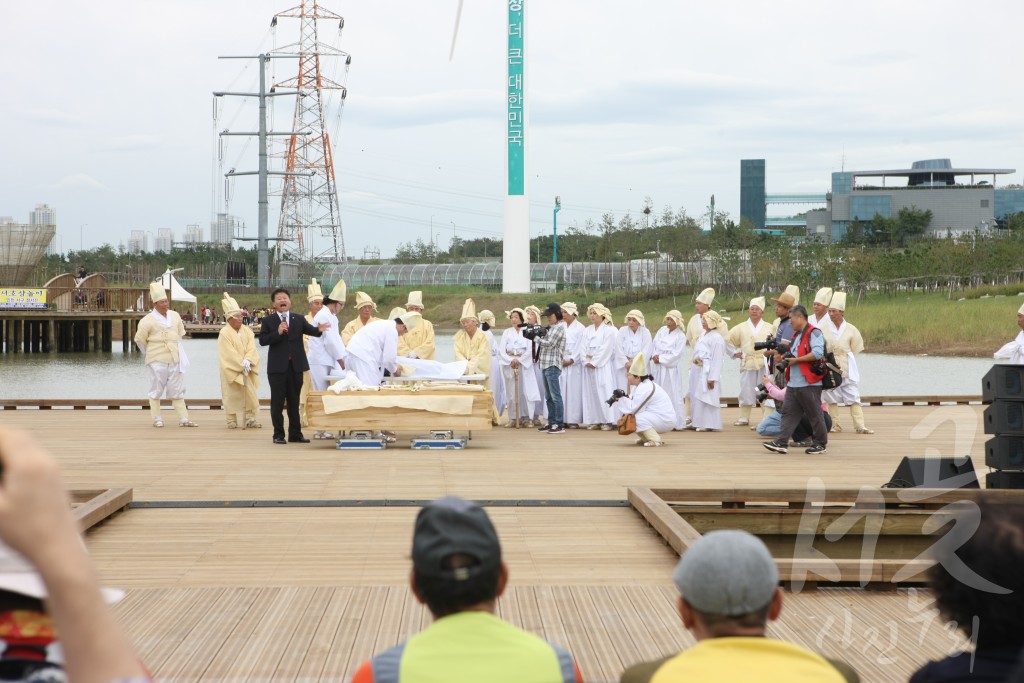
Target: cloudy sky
x: 107, y: 110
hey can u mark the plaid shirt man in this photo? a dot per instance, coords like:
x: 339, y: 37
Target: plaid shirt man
x: 552, y: 347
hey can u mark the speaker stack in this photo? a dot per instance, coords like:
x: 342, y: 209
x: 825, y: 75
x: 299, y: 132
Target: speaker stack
x: 1003, y: 385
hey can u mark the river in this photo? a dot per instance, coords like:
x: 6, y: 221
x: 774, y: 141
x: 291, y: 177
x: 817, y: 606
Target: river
x: 117, y: 375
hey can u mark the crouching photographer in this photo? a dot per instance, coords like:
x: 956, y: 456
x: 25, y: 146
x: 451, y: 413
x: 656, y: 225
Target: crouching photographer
x: 803, y: 385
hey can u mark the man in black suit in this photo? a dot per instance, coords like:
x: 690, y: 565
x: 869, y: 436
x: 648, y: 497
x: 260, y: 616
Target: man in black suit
x: 286, y: 361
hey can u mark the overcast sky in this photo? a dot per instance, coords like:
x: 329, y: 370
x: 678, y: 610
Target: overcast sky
x: 107, y: 106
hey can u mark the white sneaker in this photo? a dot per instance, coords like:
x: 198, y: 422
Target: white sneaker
x: 158, y: 422
x: 865, y: 430
x: 741, y: 423
x: 187, y: 423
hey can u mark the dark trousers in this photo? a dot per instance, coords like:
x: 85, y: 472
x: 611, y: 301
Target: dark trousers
x: 285, y: 387
x: 803, y: 430
x: 553, y: 394
x: 803, y: 402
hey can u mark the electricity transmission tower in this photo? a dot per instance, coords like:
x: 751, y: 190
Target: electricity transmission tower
x: 309, y: 196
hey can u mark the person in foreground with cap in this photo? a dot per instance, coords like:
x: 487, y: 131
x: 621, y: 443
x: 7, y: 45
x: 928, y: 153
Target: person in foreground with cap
x: 374, y: 348
x: 55, y: 624
x: 649, y: 403
x: 741, y: 342
x: 458, y: 573
x: 419, y: 341
x: 495, y: 381
x: 549, y: 358
x: 315, y: 299
x: 667, y: 351
x: 1014, y: 351
x: 366, y: 309
x: 159, y: 337
x: 472, y: 345
x: 803, y: 385
x: 283, y: 331
x: 239, y: 368
x: 571, y: 379
x: 845, y: 341
x: 728, y: 592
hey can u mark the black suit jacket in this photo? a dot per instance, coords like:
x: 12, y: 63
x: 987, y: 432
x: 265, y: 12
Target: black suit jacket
x: 282, y: 346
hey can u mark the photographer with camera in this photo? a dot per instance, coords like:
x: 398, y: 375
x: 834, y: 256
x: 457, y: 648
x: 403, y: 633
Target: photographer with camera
x: 552, y: 348
x: 649, y: 404
x: 771, y: 425
x: 803, y: 384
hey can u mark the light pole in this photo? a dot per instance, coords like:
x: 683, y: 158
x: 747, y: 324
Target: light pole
x: 554, y: 221
x: 455, y: 242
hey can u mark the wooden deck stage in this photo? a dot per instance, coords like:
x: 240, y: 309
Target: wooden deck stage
x: 252, y: 561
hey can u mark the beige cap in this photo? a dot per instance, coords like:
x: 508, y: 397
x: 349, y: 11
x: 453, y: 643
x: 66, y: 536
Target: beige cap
x: 570, y: 308
x: 313, y: 291
x: 823, y: 296
x: 363, y: 299
x: 338, y: 294
x: 713, y: 319
x: 396, y: 312
x: 838, y: 301
x: 534, y: 310
x: 157, y: 292
x: 415, y: 299
x: 411, y: 319
x: 637, y: 315
x: 706, y: 296
x: 469, y: 311
x: 521, y: 312
x: 487, y: 316
x: 794, y: 292
x: 639, y: 366
x: 757, y: 302
x: 675, y: 315
x: 230, y: 306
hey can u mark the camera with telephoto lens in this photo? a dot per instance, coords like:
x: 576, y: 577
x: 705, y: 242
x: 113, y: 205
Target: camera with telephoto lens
x: 768, y: 344
x: 784, y: 363
x: 762, y: 393
x: 616, y: 395
x: 532, y: 331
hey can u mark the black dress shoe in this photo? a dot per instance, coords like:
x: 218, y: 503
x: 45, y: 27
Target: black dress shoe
x: 300, y: 439
x: 278, y: 439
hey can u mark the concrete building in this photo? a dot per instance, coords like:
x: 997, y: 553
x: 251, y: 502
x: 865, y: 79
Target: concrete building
x: 193, y: 234
x: 164, y: 240
x: 138, y: 243
x: 225, y: 229
x: 44, y: 214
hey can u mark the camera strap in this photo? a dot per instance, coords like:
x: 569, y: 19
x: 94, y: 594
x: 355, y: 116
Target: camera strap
x: 654, y: 387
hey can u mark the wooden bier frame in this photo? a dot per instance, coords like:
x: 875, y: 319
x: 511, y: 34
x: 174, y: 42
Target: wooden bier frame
x: 782, y: 513
x: 400, y: 419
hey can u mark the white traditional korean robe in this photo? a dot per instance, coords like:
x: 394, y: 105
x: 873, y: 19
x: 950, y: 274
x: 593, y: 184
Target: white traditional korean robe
x: 845, y: 342
x: 373, y: 349
x: 630, y: 343
x: 599, y: 349
x: 658, y: 414
x: 496, y: 381
x: 670, y: 347
x: 325, y: 351
x: 514, y: 346
x: 1013, y: 352
x: 741, y: 340
x: 354, y: 326
x: 705, y: 403
x: 571, y: 379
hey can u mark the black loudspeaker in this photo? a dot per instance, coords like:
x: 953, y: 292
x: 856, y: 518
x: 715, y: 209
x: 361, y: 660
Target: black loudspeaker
x: 1004, y: 480
x: 1005, y: 417
x: 935, y: 473
x: 1005, y: 453
x: 1003, y: 381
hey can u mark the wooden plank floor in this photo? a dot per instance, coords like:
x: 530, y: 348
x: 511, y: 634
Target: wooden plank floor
x: 306, y: 592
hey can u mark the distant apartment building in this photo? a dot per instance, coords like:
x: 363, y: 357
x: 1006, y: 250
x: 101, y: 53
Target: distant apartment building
x: 225, y: 229
x: 193, y: 234
x: 138, y: 243
x: 45, y: 214
x: 164, y: 240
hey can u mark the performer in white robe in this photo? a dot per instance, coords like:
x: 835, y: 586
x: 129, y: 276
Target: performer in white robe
x: 1014, y: 351
x: 706, y: 376
x: 740, y: 345
x: 327, y: 352
x: 633, y: 338
x: 374, y: 348
x: 516, y: 359
x: 315, y: 299
x: 495, y: 379
x: 845, y: 341
x: 821, y: 301
x: 695, y: 328
x: 159, y: 337
x: 239, y: 368
x: 649, y: 403
x: 541, y: 409
x: 667, y: 351
x: 599, y: 348
x: 571, y: 380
